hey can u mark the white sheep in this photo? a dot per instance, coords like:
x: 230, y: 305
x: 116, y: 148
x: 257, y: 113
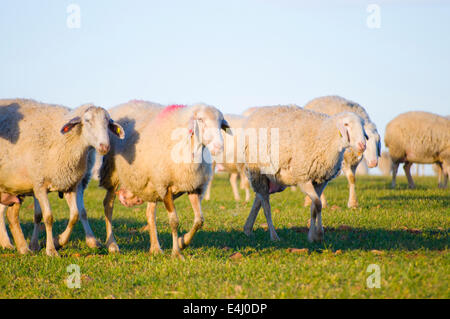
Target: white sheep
x: 161, y: 159
x: 304, y: 149
x: 45, y: 148
x: 418, y: 137
x: 227, y: 161
x: 331, y: 105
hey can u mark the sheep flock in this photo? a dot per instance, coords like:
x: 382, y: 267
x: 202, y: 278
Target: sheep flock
x: 144, y: 153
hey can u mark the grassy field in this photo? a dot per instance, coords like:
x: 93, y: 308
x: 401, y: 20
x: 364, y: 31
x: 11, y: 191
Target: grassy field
x: 404, y: 232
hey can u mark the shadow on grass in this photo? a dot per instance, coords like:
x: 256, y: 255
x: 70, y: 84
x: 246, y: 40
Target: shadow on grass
x: 132, y: 239
x: 408, y: 197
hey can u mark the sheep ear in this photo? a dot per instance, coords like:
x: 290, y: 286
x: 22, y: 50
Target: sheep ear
x: 116, y: 129
x: 70, y: 125
x: 343, y: 131
x: 226, y: 127
x: 379, y: 149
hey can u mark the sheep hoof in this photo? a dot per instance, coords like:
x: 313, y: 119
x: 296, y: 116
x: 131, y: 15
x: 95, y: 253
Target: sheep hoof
x: 52, y: 252
x: 412, y: 186
x: 113, y: 248
x: 316, y: 236
x: 177, y: 254
x: 248, y: 232
x: 352, y: 205
x: 34, y: 246
x: 93, y: 243
x: 155, y: 251
x: 7, y: 246
x: 24, y: 250
x: 274, y: 237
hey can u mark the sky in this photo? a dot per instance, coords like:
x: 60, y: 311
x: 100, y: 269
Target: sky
x: 389, y: 56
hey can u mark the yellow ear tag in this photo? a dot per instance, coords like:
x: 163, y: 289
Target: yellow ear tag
x: 340, y: 133
x: 118, y: 130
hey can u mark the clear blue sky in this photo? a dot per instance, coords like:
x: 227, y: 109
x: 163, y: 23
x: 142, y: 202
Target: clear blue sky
x: 231, y: 54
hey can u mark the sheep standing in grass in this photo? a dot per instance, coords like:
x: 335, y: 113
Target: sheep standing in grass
x: 45, y: 148
x: 419, y: 137
x: 162, y: 158
x: 227, y: 161
x: 331, y: 105
x: 304, y: 149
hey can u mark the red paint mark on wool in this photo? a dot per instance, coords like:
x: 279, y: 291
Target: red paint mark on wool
x: 169, y: 109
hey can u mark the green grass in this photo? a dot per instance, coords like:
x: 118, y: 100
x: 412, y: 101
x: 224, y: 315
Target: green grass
x: 413, y: 265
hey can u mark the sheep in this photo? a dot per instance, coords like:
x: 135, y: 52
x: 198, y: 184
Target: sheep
x: 63, y: 238
x: 227, y: 161
x: 45, y: 148
x: 418, y: 137
x: 306, y: 149
x: 156, y: 163
x: 331, y: 105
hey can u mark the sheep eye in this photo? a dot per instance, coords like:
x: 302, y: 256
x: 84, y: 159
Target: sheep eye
x: 346, y: 124
x: 366, y: 137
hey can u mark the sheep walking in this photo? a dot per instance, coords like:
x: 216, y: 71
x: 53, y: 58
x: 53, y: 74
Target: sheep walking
x: 419, y: 137
x: 45, y: 148
x: 304, y: 149
x: 163, y: 156
x: 227, y: 161
x: 332, y: 105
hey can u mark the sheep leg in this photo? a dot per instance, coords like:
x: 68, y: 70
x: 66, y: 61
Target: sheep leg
x: 350, y: 174
x: 267, y: 212
x: 234, y: 186
x: 323, y: 199
x: 34, y: 242
x: 248, y: 227
x: 5, y: 242
x: 247, y: 194
x: 307, y: 201
x: 91, y: 241
x: 63, y: 238
x: 155, y: 248
x: 407, y: 169
x: 185, y: 240
x: 14, y: 225
x: 445, y: 171
x: 394, y: 173
x: 41, y: 196
x: 314, y: 191
x: 173, y: 222
x: 244, y: 184
x: 208, y: 189
x: 108, y: 206
x: 440, y: 174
